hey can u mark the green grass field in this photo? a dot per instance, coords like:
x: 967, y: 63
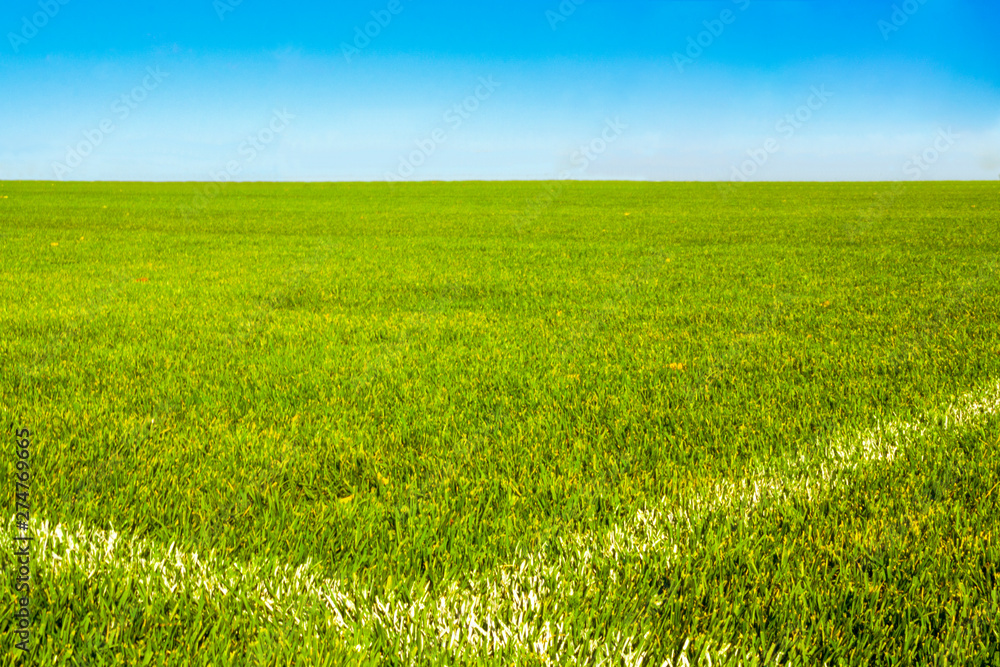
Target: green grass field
x: 504, y: 423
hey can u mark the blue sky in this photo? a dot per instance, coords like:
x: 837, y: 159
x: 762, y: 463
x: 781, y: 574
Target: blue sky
x: 655, y: 90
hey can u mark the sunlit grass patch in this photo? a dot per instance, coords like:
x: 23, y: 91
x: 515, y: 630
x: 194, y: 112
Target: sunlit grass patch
x: 588, y: 435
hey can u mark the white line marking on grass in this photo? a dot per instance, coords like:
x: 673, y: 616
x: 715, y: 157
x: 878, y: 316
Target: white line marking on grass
x: 481, y: 615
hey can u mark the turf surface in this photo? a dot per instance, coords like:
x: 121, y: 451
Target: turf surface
x: 419, y: 389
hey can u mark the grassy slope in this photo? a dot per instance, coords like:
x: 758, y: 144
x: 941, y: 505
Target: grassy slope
x: 416, y: 383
